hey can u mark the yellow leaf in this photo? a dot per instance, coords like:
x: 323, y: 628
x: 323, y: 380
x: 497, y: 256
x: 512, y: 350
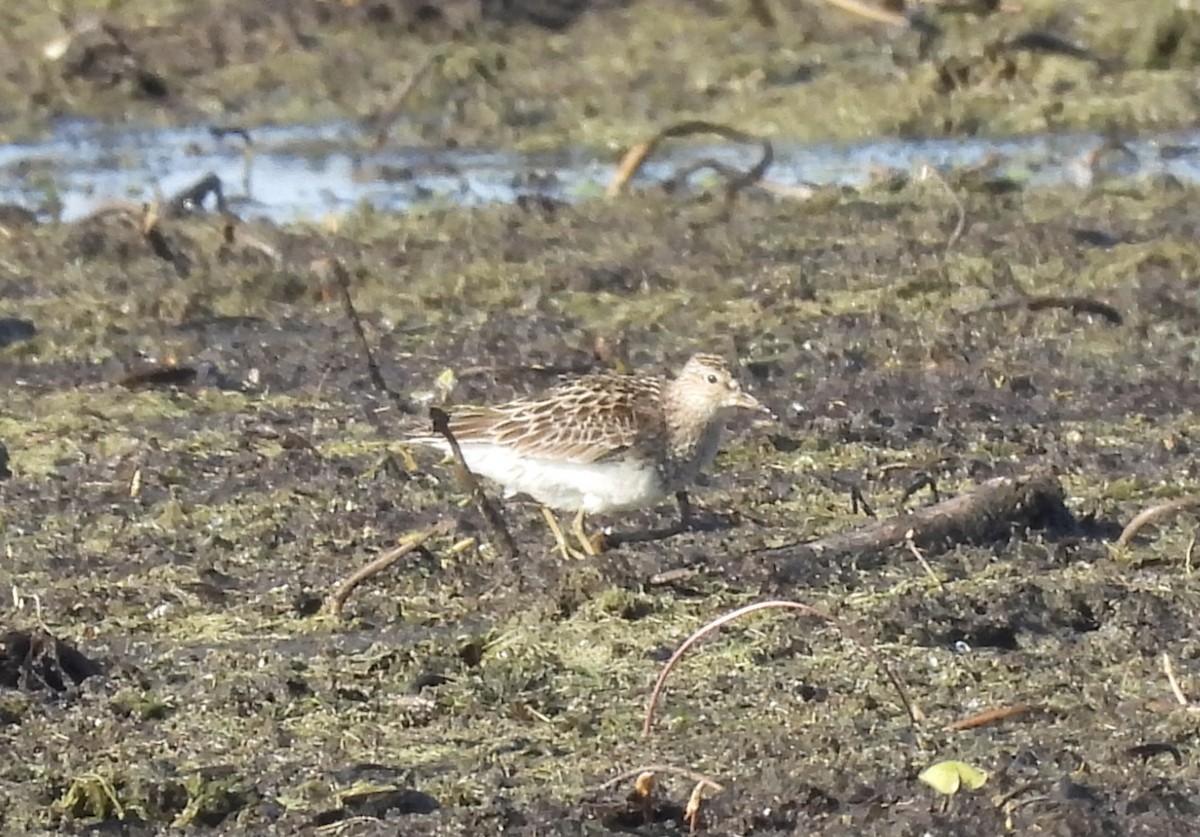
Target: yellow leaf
x: 445, y: 384
x: 947, y: 776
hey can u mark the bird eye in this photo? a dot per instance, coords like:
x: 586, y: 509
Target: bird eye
x: 712, y: 377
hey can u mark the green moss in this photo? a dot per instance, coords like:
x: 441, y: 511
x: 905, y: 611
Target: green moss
x: 476, y: 678
x: 814, y: 76
x: 142, y: 706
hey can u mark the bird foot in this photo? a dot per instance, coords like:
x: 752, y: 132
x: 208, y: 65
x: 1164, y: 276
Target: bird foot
x: 592, y: 545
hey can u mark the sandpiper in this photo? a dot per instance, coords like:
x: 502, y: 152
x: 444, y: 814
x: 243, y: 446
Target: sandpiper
x: 602, y: 443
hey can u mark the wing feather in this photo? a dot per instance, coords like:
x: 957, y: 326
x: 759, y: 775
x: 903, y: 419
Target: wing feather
x: 586, y: 420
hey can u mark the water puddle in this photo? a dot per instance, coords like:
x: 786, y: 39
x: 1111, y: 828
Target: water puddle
x: 308, y: 173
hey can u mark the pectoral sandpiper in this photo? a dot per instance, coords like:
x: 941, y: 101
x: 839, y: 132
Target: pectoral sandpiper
x: 603, y: 442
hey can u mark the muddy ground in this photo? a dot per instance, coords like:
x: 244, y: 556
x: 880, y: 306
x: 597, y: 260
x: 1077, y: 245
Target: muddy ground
x: 182, y: 536
x: 169, y: 538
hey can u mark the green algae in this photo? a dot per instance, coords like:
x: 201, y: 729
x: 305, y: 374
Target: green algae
x: 501, y: 687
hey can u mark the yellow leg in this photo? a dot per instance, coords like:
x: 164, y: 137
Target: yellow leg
x: 591, y: 545
x: 559, y: 539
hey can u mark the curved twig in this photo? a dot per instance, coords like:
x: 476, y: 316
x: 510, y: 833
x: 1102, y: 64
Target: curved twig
x: 961, y: 224
x: 380, y: 124
x: 1075, y: 304
x: 736, y: 180
x: 725, y: 618
x: 1177, y: 690
x: 336, y: 600
x: 1154, y: 514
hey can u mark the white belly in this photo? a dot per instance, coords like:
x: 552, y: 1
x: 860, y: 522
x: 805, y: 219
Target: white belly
x: 567, y: 486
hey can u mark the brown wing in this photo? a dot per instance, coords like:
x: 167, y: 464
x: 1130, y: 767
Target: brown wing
x: 586, y: 420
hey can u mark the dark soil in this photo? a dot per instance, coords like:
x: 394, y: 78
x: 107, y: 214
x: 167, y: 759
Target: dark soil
x: 193, y: 452
x: 180, y: 530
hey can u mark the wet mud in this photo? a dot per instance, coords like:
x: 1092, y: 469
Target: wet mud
x: 195, y: 460
x: 194, y: 452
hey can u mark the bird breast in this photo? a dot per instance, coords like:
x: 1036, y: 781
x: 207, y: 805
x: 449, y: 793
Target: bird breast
x: 690, y: 459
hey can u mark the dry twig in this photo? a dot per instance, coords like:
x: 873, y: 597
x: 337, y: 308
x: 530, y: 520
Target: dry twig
x: 334, y: 267
x: 988, y: 512
x: 495, y: 521
x: 414, y: 540
x: 990, y: 716
x: 920, y: 556
x: 1176, y: 689
x: 1154, y: 514
x: 869, y: 12
x: 931, y: 170
x: 725, y: 618
x: 381, y: 123
x: 1075, y: 304
x: 736, y: 180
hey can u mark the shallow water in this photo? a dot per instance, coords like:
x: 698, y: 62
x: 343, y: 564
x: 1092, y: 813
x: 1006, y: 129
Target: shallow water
x: 309, y: 172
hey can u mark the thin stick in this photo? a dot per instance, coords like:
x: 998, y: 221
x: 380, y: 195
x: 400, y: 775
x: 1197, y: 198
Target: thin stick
x: 737, y: 181
x: 1154, y: 514
x: 1169, y: 670
x: 337, y: 599
x: 931, y: 170
x: 382, y: 123
x: 704, y: 630
x: 869, y: 12
x: 658, y: 768
x: 990, y: 716
x: 441, y: 426
x: 342, y: 277
x: 987, y: 512
x: 1074, y: 304
x: 912, y: 547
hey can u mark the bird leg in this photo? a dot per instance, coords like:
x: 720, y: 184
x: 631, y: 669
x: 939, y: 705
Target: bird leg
x: 592, y: 544
x: 704, y: 521
x: 559, y: 538
x: 687, y: 523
